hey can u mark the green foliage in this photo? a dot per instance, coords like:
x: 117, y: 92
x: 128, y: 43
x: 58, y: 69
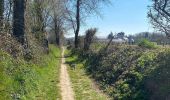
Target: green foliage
x: 158, y: 80
x: 147, y: 44
x: 28, y: 80
x: 130, y: 72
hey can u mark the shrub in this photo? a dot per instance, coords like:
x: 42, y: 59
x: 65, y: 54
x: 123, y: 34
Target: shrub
x: 146, y: 44
x: 89, y: 38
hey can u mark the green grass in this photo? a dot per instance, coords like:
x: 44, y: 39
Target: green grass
x: 83, y: 86
x: 49, y: 80
x: 29, y: 81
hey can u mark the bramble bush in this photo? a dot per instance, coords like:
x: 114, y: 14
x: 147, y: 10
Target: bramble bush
x: 130, y: 72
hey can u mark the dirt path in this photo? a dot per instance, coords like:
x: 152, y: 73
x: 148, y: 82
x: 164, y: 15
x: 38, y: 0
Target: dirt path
x: 65, y: 84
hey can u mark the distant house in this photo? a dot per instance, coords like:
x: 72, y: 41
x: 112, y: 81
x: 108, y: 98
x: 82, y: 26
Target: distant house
x: 119, y: 38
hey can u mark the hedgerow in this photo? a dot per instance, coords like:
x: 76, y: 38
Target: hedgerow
x: 130, y: 72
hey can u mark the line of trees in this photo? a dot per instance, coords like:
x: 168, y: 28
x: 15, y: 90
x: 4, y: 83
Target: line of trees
x: 23, y: 17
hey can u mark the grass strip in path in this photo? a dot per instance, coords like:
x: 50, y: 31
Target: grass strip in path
x: 83, y: 86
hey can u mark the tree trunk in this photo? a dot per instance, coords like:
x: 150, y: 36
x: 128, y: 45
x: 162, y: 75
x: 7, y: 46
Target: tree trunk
x: 57, y: 32
x: 58, y: 39
x: 1, y: 12
x: 18, y: 20
x: 76, y: 41
x: 109, y: 43
x: 77, y: 23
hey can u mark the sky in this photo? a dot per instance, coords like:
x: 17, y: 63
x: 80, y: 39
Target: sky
x: 129, y: 16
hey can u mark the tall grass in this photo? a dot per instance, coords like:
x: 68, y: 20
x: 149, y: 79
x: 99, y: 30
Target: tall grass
x: 28, y: 80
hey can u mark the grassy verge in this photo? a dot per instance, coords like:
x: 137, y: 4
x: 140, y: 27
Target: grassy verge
x: 83, y: 86
x: 49, y: 76
x: 29, y: 81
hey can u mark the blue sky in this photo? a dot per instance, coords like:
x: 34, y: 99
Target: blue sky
x: 129, y: 16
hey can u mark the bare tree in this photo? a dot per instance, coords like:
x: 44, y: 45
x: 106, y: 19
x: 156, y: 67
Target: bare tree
x: 39, y: 14
x: 18, y: 20
x: 159, y: 15
x: 79, y: 11
x: 8, y: 14
x: 58, y: 18
x: 38, y: 8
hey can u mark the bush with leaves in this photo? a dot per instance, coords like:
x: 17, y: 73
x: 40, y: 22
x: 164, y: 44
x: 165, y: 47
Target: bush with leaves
x: 147, y: 44
x: 130, y: 72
